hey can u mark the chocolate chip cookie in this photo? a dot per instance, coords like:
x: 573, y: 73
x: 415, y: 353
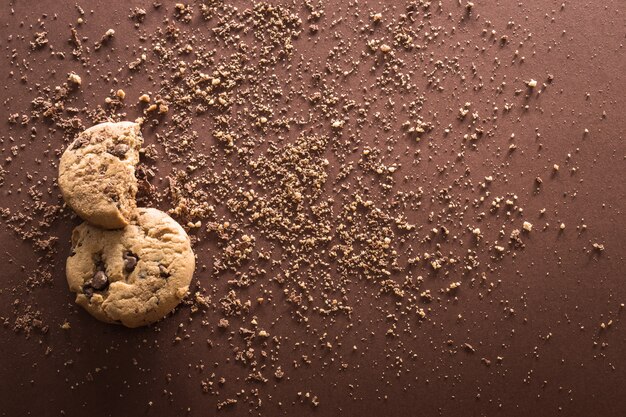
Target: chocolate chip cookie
x: 132, y: 276
x: 97, y: 173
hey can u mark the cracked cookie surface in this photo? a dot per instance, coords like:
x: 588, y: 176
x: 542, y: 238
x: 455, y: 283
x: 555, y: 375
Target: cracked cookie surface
x: 134, y: 276
x: 97, y: 173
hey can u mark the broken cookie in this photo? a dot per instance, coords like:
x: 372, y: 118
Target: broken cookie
x: 97, y: 173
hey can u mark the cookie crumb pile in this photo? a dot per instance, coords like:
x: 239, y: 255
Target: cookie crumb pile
x: 127, y: 265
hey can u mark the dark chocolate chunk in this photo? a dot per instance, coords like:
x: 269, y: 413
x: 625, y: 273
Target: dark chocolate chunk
x: 163, y: 272
x: 79, y: 143
x: 130, y: 261
x: 120, y: 150
x: 99, y: 281
x: 88, y: 290
x: 99, y: 264
x: 112, y: 193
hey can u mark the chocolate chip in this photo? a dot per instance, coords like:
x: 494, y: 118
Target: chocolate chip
x: 99, y: 281
x: 120, y: 150
x: 79, y: 143
x: 112, y: 194
x: 130, y: 262
x: 87, y: 290
x: 99, y: 264
x: 163, y: 271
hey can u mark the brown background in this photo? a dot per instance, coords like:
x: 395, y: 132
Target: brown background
x: 556, y: 360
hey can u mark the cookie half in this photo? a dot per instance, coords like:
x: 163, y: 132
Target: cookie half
x: 97, y: 173
x: 133, y: 276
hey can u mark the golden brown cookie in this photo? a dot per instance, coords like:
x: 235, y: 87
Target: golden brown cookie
x: 133, y: 276
x: 97, y: 173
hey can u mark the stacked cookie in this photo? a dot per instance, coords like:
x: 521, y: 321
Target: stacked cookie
x: 127, y: 265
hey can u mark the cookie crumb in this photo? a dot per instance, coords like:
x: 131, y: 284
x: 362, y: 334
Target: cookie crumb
x: 74, y: 78
x: 527, y: 226
x: 598, y: 246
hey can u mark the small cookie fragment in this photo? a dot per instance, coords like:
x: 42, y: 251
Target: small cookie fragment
x: 74, y: 78
x: 97, y: 173
x: 527, y: 226
x: 134, y: 276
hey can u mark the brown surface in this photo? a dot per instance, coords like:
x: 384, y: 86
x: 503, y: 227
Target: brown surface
x: 556, y: 359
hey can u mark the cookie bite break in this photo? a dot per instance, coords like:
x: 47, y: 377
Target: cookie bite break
x: 97, y: 173
x: 134, y: 276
